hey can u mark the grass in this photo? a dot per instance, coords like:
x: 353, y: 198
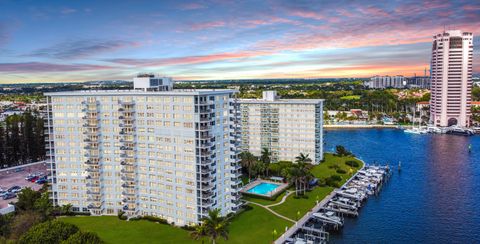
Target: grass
x: 113, y: 230
x: 351, y: 97
x: 303, y: 204
x: 264, y: 201
x: 254, y: 225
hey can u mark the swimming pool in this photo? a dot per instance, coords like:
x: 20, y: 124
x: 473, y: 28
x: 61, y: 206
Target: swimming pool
x: 263, y: 188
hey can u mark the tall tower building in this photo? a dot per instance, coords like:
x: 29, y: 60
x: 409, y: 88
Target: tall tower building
x: 451, y: 78
x: 168, y: 153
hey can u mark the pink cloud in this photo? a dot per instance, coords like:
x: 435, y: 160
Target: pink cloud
x: 269, y: 21
x: 189, y: 59
x: 48, y: 67
x: 192, y: 6
x: 373, y: 11
x: 307, y: 14
x: 207, y: 25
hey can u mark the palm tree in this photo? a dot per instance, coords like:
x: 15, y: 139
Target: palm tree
x: 294, y: 175
x: 199, y: 232
x: 303, y: 158
x: 248, y: 161
x: 215, y: 225
x: 266, y: 157
x: 67, y: 209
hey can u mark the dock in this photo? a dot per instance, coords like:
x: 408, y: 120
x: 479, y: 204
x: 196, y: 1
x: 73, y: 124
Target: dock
x: 304, y: 230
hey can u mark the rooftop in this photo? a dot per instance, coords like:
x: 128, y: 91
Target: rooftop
x: 282, y: 101
x: 177, y: 92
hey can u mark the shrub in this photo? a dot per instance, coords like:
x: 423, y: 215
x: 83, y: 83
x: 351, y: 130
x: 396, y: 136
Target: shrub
x: 341, y: 171
x: 333, y: 181
x: 121, y: 215
x: 336, y: 177
x: 341, y: 151
x: 49, y: 232
x: 352, y: 163
x: 155, y: 219
x: 83, y: 238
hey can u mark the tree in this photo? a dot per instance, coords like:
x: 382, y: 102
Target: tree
x: 341, y: 151
x: 67, y: 209
x: 49, y: 232
x: 26, y: 199
x: 82, y: 237
x: 265, y: 158
x: 215, y: 225
x: 247, y: 161
x: 43, y: 205
x: 22, y: 222
x: 258, y: 168
x: 199, y: 232
x: 303, y: 158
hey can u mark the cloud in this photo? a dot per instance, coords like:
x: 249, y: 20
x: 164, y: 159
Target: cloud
x: 38, y: 67
x: 307, y: 14
x: 192, y: 6
x: 3, y: 34
x: 206, y: 25
x: 68, y: 10
x: 187, y: 59
x: 80, y: 49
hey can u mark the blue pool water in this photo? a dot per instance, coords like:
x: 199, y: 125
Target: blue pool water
x: 263, y: 188
x: 435, y: 198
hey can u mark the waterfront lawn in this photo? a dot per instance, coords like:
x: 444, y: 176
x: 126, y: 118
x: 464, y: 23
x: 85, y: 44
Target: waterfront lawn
x: 113, y: 230
x: 264, y: 201
x: 303, y: 204
x: 253, y: 225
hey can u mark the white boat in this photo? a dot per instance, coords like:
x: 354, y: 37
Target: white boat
x: 329, y: 217
x: 415, y: 130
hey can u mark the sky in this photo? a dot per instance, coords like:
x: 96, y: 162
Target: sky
x: 52, y: 41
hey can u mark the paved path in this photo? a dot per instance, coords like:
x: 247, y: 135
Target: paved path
x: 271, y: 211
x: 283, y: 199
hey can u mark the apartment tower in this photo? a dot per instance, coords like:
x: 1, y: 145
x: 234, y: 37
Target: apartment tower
x: 286, y: 127
x: 149, y: 151
x: 451, y: 78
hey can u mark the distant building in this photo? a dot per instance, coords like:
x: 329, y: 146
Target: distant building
x: 382, y: 82
x: 287, y: 127
x: 422, y: 82
x: 169, y: 153
x: 451, y: 73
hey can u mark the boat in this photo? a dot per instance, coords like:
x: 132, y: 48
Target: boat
x: 329, y: 217
x: 457, y: 130
x: 415, y: 130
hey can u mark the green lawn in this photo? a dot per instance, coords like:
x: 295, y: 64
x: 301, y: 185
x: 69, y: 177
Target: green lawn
x: 351, y: 97
x: 113, y: 230
x: 264, y: 201
x: 253, y: 225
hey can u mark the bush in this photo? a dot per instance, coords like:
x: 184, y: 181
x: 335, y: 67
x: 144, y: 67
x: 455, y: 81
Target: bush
x: 341, y: 151
x: 333, y: 181
x: 121, y: 215
x: 49, y: 232
x: 336, y: 177
x: 83, y: 238
x: 155, y: 219
x: 352, y: 163
x: 341, y: 171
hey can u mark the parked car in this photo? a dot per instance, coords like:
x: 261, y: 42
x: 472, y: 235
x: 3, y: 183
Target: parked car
x: 29, y: 177
x: 34, y: 179
x: 41, y: 181
x: 9, y: 195
x: 3, y: 193
x: 19, y: 169
x: 14, y: 189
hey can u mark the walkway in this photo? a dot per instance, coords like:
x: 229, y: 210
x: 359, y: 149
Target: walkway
x: 283, y: 199
x: 271, y: 211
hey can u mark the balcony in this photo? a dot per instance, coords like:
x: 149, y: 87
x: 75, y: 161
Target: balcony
x: 126, y: 125
x: 130, y: 186
x: 127, y: 171
x: 124, y: 178
x: 93, y: 192
x: 93, y: 206
x: 207, y: 186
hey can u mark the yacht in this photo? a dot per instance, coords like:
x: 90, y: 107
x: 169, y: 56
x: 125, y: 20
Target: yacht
x: 329, y: 217
x: 456, y: 130
x: 415, y: 130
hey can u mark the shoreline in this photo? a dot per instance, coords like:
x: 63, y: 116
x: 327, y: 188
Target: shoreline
x: 360, y: 126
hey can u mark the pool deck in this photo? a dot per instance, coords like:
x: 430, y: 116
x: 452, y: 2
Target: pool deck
x: 282, y: 187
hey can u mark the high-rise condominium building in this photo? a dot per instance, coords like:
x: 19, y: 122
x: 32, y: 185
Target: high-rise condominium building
x: 153, y: 151
x: 286, y: 127
x: 382, y: 82
x: 451, y: 77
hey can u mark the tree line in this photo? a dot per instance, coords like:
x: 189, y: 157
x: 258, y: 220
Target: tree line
x: 22, y: 139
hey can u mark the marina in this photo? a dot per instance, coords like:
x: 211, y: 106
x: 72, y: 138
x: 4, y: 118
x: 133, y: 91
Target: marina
x: 329, y: 214
x: 437, y: 183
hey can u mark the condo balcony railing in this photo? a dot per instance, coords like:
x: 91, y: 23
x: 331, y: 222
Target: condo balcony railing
x: 91, y: 162
x: 129, y: 186
x: 124, y: 178
x: 128, y: 200
x: 207, y: 195
x: 92, y: 206
x: 126, y: 125
x: 207, y: 202
x: 126, y: 193
x: 236, y: 174
x: 93, y: 184
x: 205, y: 118
x: 94, y: 199
x: 126, y: 163
x: 93, y: 192
x: 92, y: 169
x: 127, y: 171
x: 207, y: 186
x: 127, y: 140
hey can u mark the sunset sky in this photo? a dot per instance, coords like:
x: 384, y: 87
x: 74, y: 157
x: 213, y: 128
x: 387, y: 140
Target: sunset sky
x: 51, y: 41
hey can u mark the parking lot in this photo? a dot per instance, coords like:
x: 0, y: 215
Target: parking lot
x: 9, y: 178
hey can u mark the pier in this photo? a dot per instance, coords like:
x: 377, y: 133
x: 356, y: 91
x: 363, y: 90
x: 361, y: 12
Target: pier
x: 329, y: 212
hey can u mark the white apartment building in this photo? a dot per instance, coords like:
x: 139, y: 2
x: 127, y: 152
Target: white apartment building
x: 382, y: 82
x: 287, y: 127
x: 451, y: 78
x: 171, y: 153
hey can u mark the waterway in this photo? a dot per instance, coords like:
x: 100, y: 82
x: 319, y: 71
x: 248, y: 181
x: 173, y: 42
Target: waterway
x: 435, y: 198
